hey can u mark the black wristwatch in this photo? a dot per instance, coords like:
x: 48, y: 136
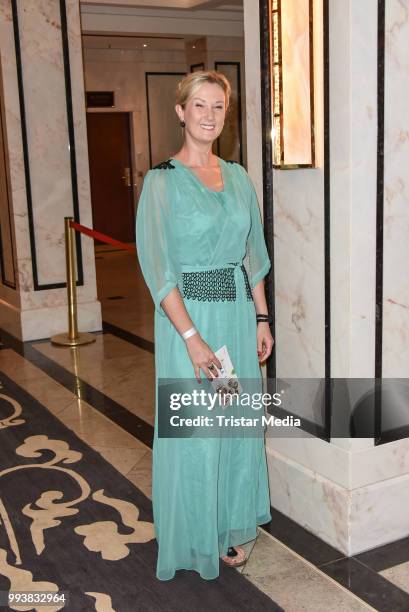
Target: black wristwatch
x: 264, y: 318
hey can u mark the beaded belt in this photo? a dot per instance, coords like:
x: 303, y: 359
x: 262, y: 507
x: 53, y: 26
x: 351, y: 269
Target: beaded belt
x: 229, y: 282
x: 214, y: 284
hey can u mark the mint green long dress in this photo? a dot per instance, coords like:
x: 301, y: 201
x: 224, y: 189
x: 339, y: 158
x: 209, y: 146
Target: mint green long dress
x: 208, y: 493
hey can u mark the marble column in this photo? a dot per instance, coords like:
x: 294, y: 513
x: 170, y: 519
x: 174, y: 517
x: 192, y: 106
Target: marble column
x: 45, y: 162
x: 352, y: 493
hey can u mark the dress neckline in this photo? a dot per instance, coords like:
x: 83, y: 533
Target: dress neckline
x: 190, y: 171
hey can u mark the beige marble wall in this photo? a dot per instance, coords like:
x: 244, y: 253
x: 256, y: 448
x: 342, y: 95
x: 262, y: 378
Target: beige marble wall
x: 253, y: 96
x: 299, y: 253
x: 348, y: 492
x: 42, y: 313
x: 353, y: 130
x: 396, y: 210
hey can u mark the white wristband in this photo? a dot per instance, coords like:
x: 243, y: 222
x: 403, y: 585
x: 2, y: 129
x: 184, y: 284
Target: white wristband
x: 190, y: 332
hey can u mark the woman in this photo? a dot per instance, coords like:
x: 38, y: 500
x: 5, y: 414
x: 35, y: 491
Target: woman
x: 202, y: 252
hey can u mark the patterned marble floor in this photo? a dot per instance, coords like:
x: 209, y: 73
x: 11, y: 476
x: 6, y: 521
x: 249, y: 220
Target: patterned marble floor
x: 104, y: 393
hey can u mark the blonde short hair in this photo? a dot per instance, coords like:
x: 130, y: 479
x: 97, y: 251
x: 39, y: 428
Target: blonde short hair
x: 191, y: 83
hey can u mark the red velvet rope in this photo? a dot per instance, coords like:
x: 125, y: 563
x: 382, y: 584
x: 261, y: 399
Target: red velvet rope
x: 103, y: 237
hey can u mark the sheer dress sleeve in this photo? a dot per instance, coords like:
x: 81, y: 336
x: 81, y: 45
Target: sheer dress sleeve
x: 256, y: 261
x: 155, y: 242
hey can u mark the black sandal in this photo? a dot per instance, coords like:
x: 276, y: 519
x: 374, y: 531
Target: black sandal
x: 232, y: 552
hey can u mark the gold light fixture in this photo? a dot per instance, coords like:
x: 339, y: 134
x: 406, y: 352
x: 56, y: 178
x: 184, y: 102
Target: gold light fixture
x: 291, y: 48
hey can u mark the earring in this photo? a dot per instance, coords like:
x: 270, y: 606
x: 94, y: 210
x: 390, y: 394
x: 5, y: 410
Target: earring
x: 182, y: 124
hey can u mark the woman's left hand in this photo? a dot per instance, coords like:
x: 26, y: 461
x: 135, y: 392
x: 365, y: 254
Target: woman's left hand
x: 265, y: 341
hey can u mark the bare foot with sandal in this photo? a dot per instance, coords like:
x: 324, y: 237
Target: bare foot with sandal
x: 235, y: 557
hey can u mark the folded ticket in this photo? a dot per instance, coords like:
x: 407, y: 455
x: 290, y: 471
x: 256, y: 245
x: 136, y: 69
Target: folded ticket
x: 227, y: 382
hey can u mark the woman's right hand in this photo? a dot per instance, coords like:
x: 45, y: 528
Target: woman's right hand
x: 201, y: 356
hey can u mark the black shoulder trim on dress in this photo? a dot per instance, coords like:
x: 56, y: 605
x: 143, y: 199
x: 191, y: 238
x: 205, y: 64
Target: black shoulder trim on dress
x: 231, y: 161
x: 165, y: 165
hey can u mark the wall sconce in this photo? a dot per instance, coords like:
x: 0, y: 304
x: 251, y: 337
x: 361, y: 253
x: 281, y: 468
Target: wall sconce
x: 292, y: 81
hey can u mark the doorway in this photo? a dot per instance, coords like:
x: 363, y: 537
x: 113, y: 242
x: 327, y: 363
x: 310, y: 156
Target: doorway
x: 111, y: 175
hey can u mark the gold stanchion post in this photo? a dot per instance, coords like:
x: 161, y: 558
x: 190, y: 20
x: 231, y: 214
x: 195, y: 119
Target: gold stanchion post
x: 73, y: 337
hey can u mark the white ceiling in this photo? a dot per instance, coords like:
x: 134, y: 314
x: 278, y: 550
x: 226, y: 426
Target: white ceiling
x: 169, y: 4
x: 162, y: 18
x: 134, y: 42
